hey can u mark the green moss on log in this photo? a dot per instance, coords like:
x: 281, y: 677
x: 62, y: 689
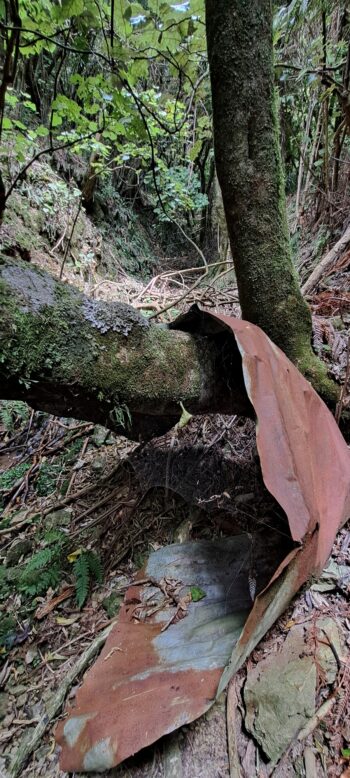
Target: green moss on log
x: 74, y: 356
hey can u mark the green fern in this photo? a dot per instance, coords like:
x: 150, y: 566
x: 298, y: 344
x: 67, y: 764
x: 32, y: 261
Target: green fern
x: 39, y: 560
x: 86, y: 567
x: 9, y: 478
x: 44, y: 568
x: 55, y: 536
x: 95, y: 566
x: 43, y: 580
x: 47, y: 478
x: 82, y: 578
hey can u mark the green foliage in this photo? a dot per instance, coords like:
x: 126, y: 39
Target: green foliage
x: 104, y: 101
x: 50, y: 472
x: 71, y: 451
x: 300, y: 50
x: 197, y: 593
x: 4, y: 583
x: 180, y: 193
x: 47, y: 566
x: 7, y: 626
x: 87, y: 567
x: 121, y: 415
x: 47, y: 478
x: 9, y: 478
x: 44, y: 569
x: 13, y: 414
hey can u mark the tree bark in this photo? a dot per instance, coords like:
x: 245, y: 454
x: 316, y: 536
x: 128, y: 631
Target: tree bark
x: 249, y: 168
x: 73, y: 356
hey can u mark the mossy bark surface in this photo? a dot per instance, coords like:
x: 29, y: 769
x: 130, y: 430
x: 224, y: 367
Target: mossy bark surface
x: 70, y: 355
x: 249, y: 168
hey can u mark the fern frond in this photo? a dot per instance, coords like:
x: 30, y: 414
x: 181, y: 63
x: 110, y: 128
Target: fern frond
x: 39, y: 581
x: 55, y: 536
x: 39, y: 560
x: 82, y: 578
x: 95, y: 566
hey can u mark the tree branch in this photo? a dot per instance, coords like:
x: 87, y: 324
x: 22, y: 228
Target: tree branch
x: 69, y: 355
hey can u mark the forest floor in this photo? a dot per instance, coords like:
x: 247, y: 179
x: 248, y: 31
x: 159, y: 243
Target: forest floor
x: 69, y: 489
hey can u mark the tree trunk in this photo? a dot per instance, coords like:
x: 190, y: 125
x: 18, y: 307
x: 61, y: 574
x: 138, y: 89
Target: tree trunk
x: 90, y: 181
x: 72, y: 356
x: 249, y: 168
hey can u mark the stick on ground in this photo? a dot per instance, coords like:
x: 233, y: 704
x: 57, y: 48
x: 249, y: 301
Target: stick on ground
x: 30, y: 741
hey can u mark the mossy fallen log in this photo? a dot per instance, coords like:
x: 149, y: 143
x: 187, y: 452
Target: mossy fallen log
x: 70, y: 355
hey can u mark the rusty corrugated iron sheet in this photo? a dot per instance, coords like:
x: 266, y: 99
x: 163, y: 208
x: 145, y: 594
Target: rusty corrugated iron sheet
x: 304, y: 459
x: 147, y: 682
x: 151, y: 678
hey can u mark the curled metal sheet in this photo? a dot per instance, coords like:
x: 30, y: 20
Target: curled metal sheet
x: 147, y: 682
x: 154, y: 674
x: 304, y: 459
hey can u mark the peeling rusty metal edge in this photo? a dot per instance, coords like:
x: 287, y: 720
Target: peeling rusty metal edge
x: 300, y: 563
x: 270, y: 605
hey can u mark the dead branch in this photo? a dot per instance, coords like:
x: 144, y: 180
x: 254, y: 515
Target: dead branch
x: 326, y: 265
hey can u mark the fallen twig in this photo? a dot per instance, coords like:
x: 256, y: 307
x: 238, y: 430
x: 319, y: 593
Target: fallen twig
x: 320, y: 714
x: 73, y: 476
x: 327, y: 263
x: 84, y: 429
x: 83, y: 492
x: 19, y: 487
x: 102, y: 516
x: 232, y: 711
x: 179, y: 299
x: 49, y: 606
x: 31, y: 739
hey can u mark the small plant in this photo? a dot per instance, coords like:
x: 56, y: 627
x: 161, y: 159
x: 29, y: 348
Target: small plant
x: 7, y: 626
x: 9, y: 478
x: 87, y: 567
x: 4, y: 584
x: 13, y: 414
x: 44, y: 568
x: 40, y: 572
x: 47, y: 478
x: 121, y: 415
x: 72, y: 451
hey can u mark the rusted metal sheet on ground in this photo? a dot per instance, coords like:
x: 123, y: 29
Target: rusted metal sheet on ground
x: 148, y: 682
x: 152, y: 675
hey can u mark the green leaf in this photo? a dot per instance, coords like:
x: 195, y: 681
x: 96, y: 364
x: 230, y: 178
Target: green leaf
x: 345, y: 752
x: 7, y: 123
x: 30, y: 105
x: 42, y: 131
x: 194, y: 151
x: 184, y: 418
x: 56, y: 120
x: 197, y: 593
x: 69, y: 8
x: 19, y: 124
x: 11, y: 98
x: 95, y: 566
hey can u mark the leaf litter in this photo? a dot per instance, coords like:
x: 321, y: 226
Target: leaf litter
x: 223, y: 507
